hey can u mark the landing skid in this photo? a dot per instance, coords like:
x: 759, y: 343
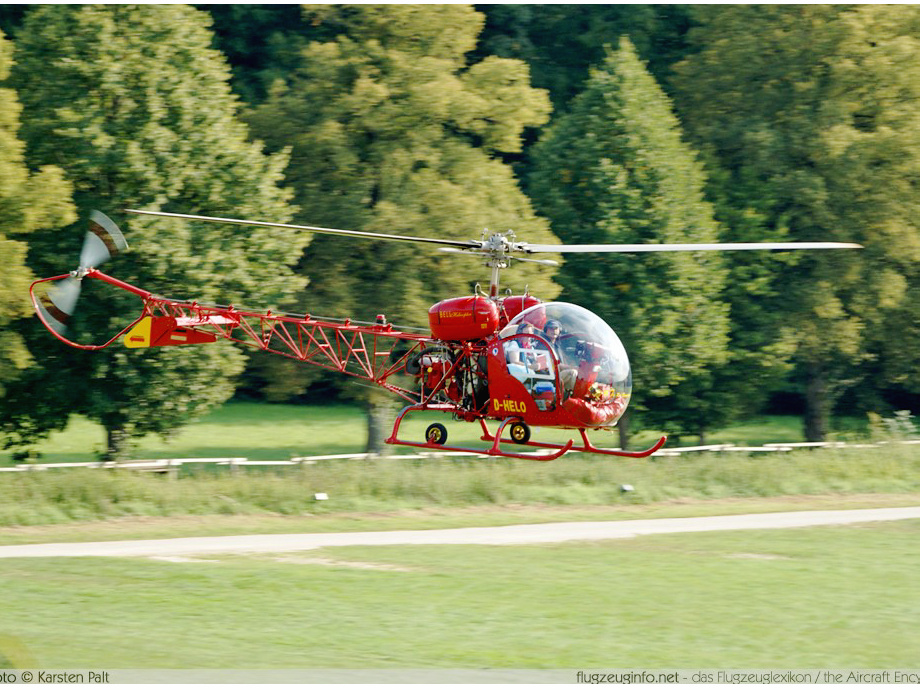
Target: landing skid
x: 496, y: 451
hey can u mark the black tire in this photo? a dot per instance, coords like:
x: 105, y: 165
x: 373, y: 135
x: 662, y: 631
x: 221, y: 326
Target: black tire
x: 436, y: 434
x: 520, y: 432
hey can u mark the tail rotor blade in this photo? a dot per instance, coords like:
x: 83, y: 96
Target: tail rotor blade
x: 59, y: 303
x: 103, y: 241
x: 64, y: 295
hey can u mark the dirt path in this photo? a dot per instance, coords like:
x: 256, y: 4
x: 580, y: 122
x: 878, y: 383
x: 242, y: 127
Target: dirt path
x: 515, y: 534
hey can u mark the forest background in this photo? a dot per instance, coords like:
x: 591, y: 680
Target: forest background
x: 576, y: 123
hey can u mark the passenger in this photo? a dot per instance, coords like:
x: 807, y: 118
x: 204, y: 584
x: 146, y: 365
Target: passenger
x: 519, y: 353
x: 519, y: 350
x: 567, y: 373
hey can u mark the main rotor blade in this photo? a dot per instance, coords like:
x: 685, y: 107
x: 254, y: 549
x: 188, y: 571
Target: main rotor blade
x: 711, y: 247
x: 328, y: 231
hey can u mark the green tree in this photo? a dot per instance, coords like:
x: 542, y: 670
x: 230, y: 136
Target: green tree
x: 561, y: 43
x: 811, y: 113
x: 135, y: 105
x: 28, y: 201
x: 11, y: 17
x: 260, y: 42
x: 391, y: 130
x: 613, y: 169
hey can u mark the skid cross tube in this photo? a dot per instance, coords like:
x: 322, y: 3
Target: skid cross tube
x: 494, y: 451
x: 496, y: 440
x: 586, y: 447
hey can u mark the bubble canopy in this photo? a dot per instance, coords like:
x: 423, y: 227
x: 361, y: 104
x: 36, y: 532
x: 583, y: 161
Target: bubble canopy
x: 592, y: 362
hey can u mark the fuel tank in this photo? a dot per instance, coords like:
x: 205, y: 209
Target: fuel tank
x: 512, y: 305
x: 463, y: 318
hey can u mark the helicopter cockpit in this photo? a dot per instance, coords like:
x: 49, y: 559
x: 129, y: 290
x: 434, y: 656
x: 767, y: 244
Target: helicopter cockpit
x: 566, y: 356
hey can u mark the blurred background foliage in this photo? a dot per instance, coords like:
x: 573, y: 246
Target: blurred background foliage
x: 586, y: 123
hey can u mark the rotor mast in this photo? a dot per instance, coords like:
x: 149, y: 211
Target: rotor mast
x: 497, y: 248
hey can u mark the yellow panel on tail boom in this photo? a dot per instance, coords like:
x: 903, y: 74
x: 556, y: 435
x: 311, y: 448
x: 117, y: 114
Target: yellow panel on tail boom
x: 158, y: 331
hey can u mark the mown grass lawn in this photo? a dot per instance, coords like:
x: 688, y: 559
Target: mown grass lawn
x: 261, y: 431
x: 254, y: 431
x: 805, y: 598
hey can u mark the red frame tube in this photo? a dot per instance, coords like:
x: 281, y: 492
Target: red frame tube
x: 91, y: 273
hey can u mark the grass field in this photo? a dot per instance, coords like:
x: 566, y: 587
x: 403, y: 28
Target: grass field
x: 254, y: 431
x: 804, y: 598
x: 279, y: 432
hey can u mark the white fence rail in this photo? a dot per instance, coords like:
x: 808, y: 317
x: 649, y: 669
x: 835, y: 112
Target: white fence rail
x: 172, y: 465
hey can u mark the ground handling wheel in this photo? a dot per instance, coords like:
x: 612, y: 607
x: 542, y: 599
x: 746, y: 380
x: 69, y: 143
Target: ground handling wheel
x: 436, y: 434
x: 520, y: 432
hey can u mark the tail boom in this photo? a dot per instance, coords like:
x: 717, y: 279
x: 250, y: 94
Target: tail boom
x: 366, y: 351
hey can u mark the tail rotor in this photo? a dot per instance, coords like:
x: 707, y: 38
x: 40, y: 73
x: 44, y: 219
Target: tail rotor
x: 103, y: 241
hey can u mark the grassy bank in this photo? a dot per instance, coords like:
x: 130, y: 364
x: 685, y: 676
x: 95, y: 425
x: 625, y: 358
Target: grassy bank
x: 394, y: 484
x: 388, y: 485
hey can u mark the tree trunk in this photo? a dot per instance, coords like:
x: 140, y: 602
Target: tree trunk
x: 380, y: 417
x: 817, y: 404
x: 623, y: 428
x: 118, y: 443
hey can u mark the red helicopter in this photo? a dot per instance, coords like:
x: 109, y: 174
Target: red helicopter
x: 513, y: 359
